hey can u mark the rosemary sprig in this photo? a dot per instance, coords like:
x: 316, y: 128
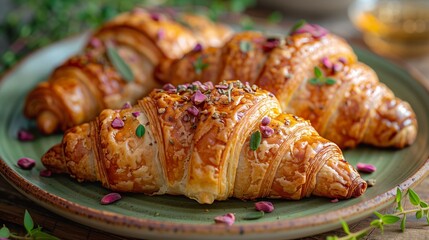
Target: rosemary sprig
x: 199, y: 65
x: 32, y: 231
x: 421, y: 210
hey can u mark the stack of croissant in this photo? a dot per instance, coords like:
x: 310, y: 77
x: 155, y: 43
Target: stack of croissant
x: 199, y: 131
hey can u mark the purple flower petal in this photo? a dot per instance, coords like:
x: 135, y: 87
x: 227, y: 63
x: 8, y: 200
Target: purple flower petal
x: 26, y: 163
x: 126, y: 105
x: 193, y: 111
x: 118, y: 123
x: 198, y: 98
x: 136, y: 114
x: 168, y: 86
x: 337, y: 67
x: 95, y: 42
x: 266, y: 131
x: 155, y: 16
x: 110, y: 198
x: 326, y: 62
x: 264, y: 206
x: 198, y: 48
x: 209, y: 85
x: 227, y: 219
x: 365, y: 167
x: 24, y: 135
x: 160, y: 34
x: 265, y: 121
x: 45, y: 173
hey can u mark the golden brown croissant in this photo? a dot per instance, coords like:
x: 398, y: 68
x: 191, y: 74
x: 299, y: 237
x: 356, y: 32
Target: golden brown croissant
x: 87, y: 83
x: 208, y: 143
x: 315, y: 75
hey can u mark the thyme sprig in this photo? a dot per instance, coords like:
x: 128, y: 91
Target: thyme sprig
x: 32, y: 231
x: 421, y: 210
x: 320, y: 78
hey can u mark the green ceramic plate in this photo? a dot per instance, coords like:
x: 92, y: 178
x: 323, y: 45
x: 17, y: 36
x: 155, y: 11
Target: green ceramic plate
x: 177, y: 217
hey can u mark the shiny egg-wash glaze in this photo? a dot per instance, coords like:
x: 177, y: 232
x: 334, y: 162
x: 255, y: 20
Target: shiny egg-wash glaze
x: 197, y: 144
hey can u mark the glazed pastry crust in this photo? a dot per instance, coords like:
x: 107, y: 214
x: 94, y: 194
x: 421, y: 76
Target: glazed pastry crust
x: 87, y: 83
x: 200, y: 147
x: 356, y: 109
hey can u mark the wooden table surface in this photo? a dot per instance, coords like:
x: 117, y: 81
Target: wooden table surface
x: 13, y: 204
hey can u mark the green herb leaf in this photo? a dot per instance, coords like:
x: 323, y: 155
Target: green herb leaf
x: 332, y: 238
x: 275, y: 17
x: 379, y: 215
x: 4, y: 232
x: 398, y: 195
x: 330, y: 81
x: 414, y: 198
x: 140, y: 131
x: 318, y: 72
x: 245, y: 46
x: 427, y: 218
x: 28, y: 222
x: 376, y: 223
x: 404, y: 219
x: 419, y: 214
x: 298, y: 25
x: 254, y: 215
x: 199, y: 65
x: 39, y: 235
x: 390, y: 219
x: 314, y: 81
x: 255, y: 140
x: 345, y: 226
x: 118, y: 62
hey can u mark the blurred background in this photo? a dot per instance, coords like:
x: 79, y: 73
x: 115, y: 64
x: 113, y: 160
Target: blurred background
x: 392, y: 28
x: 26, y: 25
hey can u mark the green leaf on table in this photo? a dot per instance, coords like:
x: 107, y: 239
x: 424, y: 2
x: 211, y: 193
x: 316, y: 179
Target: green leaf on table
x: 376, y: 223
x: 119, y: 63
x: 379, y: 215
x: 254, y: 215
x: 331, y: 238
x: 398, y: 195
x: 404, y: 219
x: 275, y: 17
x: 37, y: 234
x: 28, y: 222
x: 4, y: 232
x: 390, y: 219
x: 314, y: 81
x: 330, y: 81
x: 345, y: 226
x: 414, y: 197
x: 419, y: 214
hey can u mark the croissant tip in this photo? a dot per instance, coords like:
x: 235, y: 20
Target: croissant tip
x: 360, y: 187
x: 47, y: 122
x: 54, y: 160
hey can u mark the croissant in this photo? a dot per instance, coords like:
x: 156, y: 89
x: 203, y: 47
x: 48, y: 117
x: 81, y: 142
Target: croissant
x: 315, y: 75
x: 208, y: 143
x: 85, y: 84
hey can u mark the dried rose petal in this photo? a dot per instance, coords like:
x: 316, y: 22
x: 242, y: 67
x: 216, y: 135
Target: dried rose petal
x: 193, y: 111
x: 24, y: 135
x: 136, y: 114
x: 160, y: 34
x: 126, y: 105
x: 26, y: 163
x: 95, y: 42
x: 314, y: 29
x: 266, y: 131
x: 365, y: 167
x: 155, y: 16
x: 335, y: 200
x: 198, y: 48
x: 45, y: 173
x: 265, y: 121
x: 209, y: 85
x: 221, y: 86
x: 110, y: 198
x: 264, y: 206
x: 198, y: 98
x: 270, y: 44
x: 337, y: 67
x: 326, y: 63
x: 342, y: 60
x: 117, y: 123
x: 227, y: 219
x: 168, y: 86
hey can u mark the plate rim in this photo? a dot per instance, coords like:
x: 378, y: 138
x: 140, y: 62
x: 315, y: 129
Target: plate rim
x: 121, y: 224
